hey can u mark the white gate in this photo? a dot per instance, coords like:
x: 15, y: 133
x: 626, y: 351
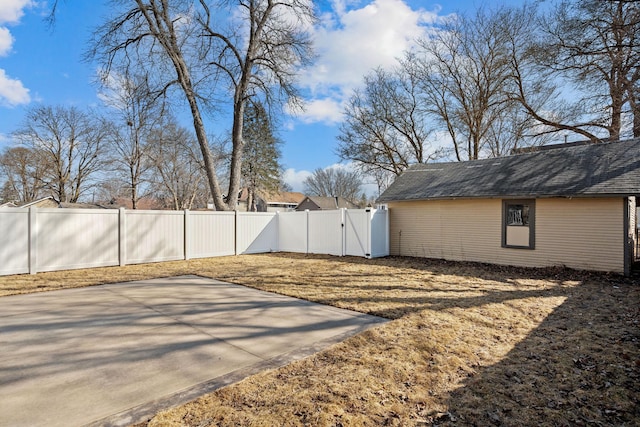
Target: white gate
x: 357, y: 233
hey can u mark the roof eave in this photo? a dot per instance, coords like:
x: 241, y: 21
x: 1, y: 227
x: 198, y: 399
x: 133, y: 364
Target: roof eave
x: 512, y: 196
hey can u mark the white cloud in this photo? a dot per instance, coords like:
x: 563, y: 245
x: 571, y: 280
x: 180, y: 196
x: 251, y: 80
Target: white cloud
x: 352, y: 42
x: 12, y: 92
x: 12, y: 10
x: 322, y: 110
x: 295, y: 178
x: 113, y: 90
x: 6, y: 41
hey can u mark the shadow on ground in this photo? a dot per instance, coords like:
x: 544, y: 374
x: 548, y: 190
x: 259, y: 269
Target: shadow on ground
x: 580, y: 366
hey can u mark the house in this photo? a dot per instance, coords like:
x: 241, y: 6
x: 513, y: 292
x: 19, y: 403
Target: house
x: 8, y: 205
x: 285, y: 201
x: 50, y: 202
x: 68, y: 205
x: 243, y: 202
x: 571, y: 206
x: 280, y: 202
x: 317, y: 203
x: 143, y: 203
x: 45, y: 202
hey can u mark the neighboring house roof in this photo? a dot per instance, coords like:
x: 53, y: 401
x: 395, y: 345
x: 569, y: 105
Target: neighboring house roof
x: 604, y: 169
x: 285, y: 197
x: 8, y: 205
x: 269, y: 202
x: 325, y: 203
x: 244, y: 195
x: 51, y: 202
x: 290, y: 197
x: 66, y: 205
x: 143, y: 203
x: 45, y: 202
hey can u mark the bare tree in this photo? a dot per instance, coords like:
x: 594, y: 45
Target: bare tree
x: 384, y: 126
x: 253, y: 45
x: 464, y: 69
x: 334, y: 182
x: 23, y: 174
x: 70, y: 144
x: 595, y: 45
x: 136, y: 112
x: 634, y: 101
x: 178, y: 174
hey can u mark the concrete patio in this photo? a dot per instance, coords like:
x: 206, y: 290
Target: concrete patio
x: 116, y: 354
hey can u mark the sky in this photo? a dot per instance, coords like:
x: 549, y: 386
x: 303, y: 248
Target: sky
x: 40, y: 64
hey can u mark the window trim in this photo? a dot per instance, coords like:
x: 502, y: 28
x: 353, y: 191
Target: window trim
x: 532, y: 222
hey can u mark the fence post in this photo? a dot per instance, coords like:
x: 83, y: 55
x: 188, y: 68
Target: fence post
x: 387, y: 234
x: 187, y: 233
x: 343, y: 219
x: 367, y: 253
x: 33, y: 236
x: 307, y: 230
x: 277, y: 248
x: 122, y: 237
x: 235, y: 232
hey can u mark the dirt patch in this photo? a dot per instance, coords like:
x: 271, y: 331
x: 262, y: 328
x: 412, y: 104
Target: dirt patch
x: 470, y: 344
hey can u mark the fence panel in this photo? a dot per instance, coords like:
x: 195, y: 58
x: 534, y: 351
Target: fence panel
x: 154, y: 236
x: 325, y: 232
x: 75, y: 238
x: 14, y: 249
x: 210, y: 234
x: 379, y: 233
x: 292, y: 232
x: 62, y: 239
x: 256, y: 232
x: 357, y: 229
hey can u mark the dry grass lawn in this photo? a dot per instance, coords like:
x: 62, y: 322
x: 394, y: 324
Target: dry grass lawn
x: 469, y: 344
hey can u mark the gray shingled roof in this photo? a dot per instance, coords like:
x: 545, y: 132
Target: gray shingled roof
x: 330, y: 203
x: 611, y: 168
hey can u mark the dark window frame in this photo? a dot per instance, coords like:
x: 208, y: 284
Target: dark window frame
x: 530, y: 218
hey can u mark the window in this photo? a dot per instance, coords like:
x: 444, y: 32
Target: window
x: 518, y: 224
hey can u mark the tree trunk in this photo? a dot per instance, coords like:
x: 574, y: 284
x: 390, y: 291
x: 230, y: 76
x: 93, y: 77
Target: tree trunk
x: 236, y: 156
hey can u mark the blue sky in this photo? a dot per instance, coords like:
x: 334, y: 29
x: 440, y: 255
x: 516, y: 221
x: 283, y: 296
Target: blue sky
x: 39, y: 64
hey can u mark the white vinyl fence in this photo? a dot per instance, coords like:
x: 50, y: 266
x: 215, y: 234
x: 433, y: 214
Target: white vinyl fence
x: 36, y: 240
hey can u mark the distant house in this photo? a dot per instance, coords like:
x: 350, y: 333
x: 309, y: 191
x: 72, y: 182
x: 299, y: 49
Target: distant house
x: 571, y: 206
x: 143, y: 203
x: 67, y: 205
x: 243, y: 200
x: 8, y: 205
x: 317, y: 203
x: 278, y: 202
x: 51, y: 202
x: 285, y: 201
x: 45, y: 202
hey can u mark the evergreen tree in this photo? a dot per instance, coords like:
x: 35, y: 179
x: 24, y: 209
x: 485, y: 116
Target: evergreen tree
x: 261, y: 168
